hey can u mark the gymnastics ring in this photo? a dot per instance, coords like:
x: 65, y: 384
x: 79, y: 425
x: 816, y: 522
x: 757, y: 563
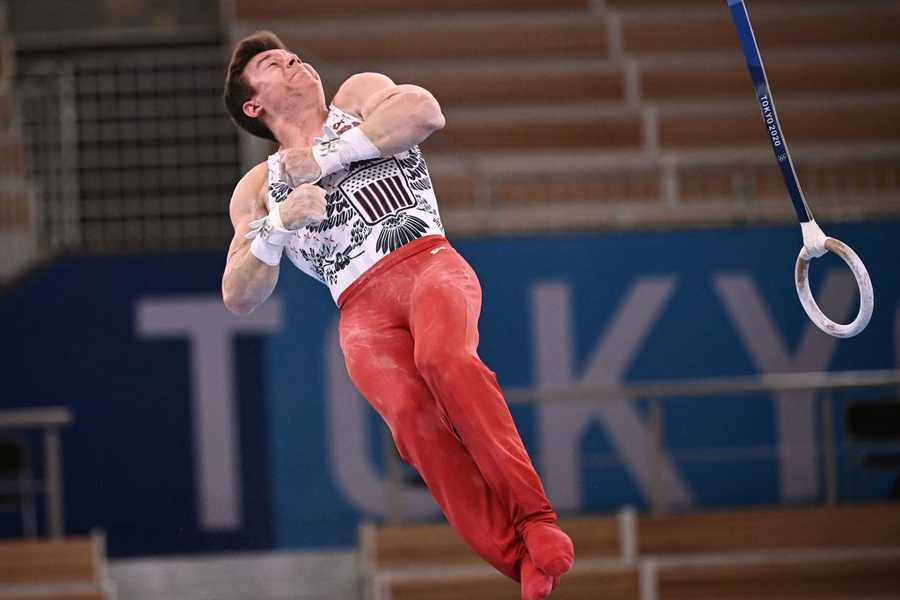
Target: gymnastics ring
x: 815, y: 242
x: 866, y: 293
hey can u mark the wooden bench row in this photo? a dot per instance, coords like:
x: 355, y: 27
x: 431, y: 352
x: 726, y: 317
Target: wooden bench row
x: 858, y: 177
x: 438, y: 545
x: 714, y: 5
x: 700, y: 79
x: 16, y: 210
x: 700, y: 126
x: 547, y: 131
x: 11, y: 154
x: 848, y: 578
x: 770, y: 529
x: 56, y: 569
x: 7, y: 63
x: 248, y: 10
x: 587, y: 36
x: 872, y: 27
x: 613, y: 583
x: 824, y: 553
x: 605, y: 536
x: 811, y: 74
x: 644, y: 184
x: 274, y: 9
x: 6, y: 111
x: 800, y: 578
x: 522, y: 84
x: 812, y: 123
x: 453, y: 41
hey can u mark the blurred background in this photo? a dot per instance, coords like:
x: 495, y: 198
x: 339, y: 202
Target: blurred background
x: 605, y: 171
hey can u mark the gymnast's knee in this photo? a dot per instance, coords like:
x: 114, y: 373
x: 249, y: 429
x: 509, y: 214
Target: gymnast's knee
x: 445, y: 364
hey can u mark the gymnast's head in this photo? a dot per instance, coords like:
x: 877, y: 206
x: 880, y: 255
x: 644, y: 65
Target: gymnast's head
x: 266, y: 82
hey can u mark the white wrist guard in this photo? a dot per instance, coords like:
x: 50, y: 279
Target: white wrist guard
x: 266, y: 251
x: 269, y: 237
x: 340, y: 153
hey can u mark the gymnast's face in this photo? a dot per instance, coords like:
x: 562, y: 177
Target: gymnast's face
x: 282, y: 82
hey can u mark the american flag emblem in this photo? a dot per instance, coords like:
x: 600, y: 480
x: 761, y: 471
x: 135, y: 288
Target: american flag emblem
x: 378, y: 191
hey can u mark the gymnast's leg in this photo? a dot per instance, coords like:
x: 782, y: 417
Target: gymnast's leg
x: 446, y: 303
x: 379, y: 357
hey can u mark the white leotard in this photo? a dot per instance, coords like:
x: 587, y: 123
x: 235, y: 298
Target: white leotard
x: 373, y: 207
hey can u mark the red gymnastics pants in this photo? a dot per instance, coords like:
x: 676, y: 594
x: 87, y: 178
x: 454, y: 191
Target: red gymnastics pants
x: 409, y: 333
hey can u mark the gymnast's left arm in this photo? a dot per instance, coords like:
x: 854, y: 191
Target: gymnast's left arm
x: 394, y: 119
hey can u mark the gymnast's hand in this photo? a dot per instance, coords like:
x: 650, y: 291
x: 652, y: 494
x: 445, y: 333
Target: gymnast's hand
x: 304, y: 206
x: 299, y: 165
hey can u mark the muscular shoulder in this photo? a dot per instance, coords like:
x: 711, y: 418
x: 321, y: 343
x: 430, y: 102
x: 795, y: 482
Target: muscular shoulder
x: 248, y: 196
x: 357, y: 91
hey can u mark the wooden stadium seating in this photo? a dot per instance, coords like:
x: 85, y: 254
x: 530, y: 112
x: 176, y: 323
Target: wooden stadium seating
x: 431, y: 562
x: 834, y: 69
x: 661, y: 34
x: 620, y: 186
x: 15, y: 208
x: 845, y: 123
x: 403, y: 547
x: 716, y: 4
x: 7, y: 64
x: 788, y: 554
x: 456, y: 188
x: 418, y: 545
x: 250, y: 9
x: 47, y: 561
x: 612, y: 584
x: 770, y: 530
x: 507, y: 134
x: 859, y: 176
x: 5, y: 111
x: 455, y: 41
x: 594, y: 537
x: 826, y: 579
x: 11, y: 153
x: 825, y: 74
x: 642, y: 185
x: 64, y: 569
x: 556, y: 85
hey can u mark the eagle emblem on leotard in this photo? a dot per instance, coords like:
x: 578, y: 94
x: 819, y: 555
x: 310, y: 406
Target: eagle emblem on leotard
x: 398, y: 230
x: 416, y: 170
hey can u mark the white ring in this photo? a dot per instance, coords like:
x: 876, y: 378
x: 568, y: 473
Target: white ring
x: 866, y: 294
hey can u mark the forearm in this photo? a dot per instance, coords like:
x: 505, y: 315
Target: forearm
x: 403, y: 120
x: 395, y: 118
x: 247, y: 281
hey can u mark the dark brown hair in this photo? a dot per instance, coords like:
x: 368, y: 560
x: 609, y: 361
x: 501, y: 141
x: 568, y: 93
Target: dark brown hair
x: 238, y: 91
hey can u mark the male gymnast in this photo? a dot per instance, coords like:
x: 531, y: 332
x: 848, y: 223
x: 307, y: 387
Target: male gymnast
x: 349, y: 199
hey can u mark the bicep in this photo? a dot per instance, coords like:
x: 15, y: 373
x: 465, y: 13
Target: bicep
x: 381, y: 97
x: 357, y: 95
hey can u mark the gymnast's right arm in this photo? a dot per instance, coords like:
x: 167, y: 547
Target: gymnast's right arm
x: 247, y: 281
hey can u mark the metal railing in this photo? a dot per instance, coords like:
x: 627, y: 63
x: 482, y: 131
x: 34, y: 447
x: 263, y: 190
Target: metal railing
x: 48, y: 421
x: 129, y: 146
x: 47, y: 112
x: 658, y: 392
x: 824, y: 383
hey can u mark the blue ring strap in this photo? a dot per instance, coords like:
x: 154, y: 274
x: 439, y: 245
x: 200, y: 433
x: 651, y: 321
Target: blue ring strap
x: 767, y: 106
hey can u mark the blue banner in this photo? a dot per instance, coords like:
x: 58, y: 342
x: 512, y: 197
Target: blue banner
x: 196, y: 430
